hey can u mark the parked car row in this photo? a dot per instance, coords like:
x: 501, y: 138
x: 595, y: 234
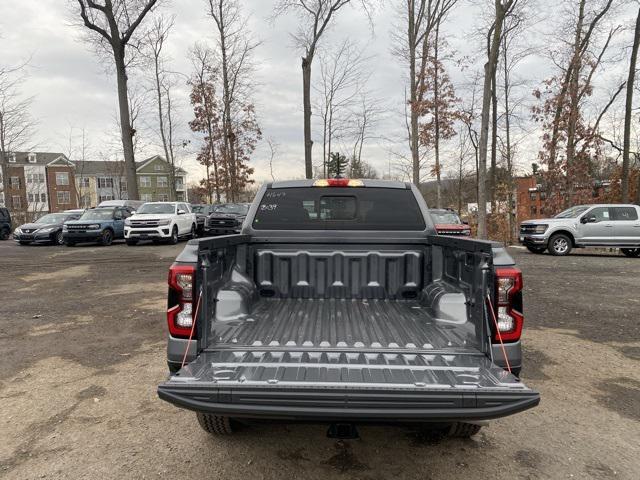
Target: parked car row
x: 130, y: 220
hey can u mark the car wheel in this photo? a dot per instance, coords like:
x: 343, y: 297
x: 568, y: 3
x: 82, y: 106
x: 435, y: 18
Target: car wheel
x: 4, y: 234
x: 174, y: 236
x: 217, y: 425
x: 132, y: 242
x: 58, y: 239
x: 70, y: 243
x: 193, y: 232
x: 537, y: 250
x: 560, y: 245
x: 463, y: 430
x: 106, y: 238
x: 24, y: 243
x: 630, y: 252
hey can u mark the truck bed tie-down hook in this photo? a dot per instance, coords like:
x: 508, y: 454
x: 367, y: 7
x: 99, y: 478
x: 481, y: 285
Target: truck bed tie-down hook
x: 495, y: 324
x: 193, y: 327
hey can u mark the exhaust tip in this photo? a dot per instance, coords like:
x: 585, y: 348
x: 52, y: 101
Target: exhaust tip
x: 343, y: 431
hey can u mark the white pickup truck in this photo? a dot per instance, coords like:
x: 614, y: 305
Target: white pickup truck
x: 160, y: 221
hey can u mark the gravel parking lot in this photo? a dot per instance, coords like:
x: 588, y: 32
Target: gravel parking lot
x: 82, y: 335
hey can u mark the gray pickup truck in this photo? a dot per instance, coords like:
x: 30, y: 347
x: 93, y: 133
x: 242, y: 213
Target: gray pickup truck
x: 339, y: 304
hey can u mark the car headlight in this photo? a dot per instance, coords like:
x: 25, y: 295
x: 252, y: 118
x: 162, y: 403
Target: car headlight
x: 18, y: 231
x: 541, y: 228
x: 164, y: 222
x: 94, y: 226
x: 127, y: 221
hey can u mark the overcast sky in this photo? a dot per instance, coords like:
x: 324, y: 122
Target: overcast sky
x: 71, y: 88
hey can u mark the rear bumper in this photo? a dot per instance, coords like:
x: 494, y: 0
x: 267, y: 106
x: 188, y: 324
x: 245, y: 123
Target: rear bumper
x: 361, y: 406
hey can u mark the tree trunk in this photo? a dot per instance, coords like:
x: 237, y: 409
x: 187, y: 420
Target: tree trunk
x: 628, y: 116
x: 489, y: 72
x: 306, y: 101
x: 436, y: 118
x: 494, y: 139
x: 163, y: 136
x: 507, y: 126
x: 126, y: 129
x: 413, y: 87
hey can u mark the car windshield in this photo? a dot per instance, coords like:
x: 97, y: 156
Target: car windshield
x: 199, y: 208
x: 572, y: 212
x: 98, y: 214
x: 445, y: 217
x: 157, y: 208
x: 52, y: 218
x: 238, y: 209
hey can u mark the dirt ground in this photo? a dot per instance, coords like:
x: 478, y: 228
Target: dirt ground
x: 81, y: 336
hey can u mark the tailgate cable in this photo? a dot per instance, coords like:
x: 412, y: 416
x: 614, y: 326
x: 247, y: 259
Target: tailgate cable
x: 495, y: 324
x: 193, y: 327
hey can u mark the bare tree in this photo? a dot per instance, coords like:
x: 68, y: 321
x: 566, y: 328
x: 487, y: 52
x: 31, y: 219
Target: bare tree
x: 342, y: 76
x: 235, y: 49
x: 163, y: 82
x: 502, y: 8
x: 273, y: 150
x: 628, y: 115
x: 16, y: 124
x: 365, y: 119
x: 114, y: 22
x: 421, y: 17
x: 315, y: 16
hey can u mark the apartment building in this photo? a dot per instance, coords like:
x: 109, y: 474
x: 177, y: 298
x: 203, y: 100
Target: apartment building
x: 100, y: 181
x: 38, y: 182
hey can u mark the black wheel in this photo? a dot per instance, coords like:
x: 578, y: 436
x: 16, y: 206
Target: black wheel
x: 463, y: 430
x: 630, y: 252
x: 174, y: 236
x: 537, y: 250
x: 215, y: 424
x: 4, y: 234
x: 193, y: 233
x: 58, y: 239
x: 560, y: 245
x: 131, y: 242
x: 24, y: 243
x: 106, y: 238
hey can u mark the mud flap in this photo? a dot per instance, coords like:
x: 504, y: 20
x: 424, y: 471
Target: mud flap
x: 320, y: 385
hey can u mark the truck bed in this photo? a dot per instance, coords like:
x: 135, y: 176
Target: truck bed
x: 344, y: 323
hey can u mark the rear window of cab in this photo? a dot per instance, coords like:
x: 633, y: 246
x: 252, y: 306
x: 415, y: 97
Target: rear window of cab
x: 339, y: 208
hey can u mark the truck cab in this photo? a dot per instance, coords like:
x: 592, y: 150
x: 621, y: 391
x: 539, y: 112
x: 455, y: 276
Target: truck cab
x: 100, y: 225
x: 339, y: 304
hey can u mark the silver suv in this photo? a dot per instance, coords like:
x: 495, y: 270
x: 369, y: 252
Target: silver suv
x: 616, y: 226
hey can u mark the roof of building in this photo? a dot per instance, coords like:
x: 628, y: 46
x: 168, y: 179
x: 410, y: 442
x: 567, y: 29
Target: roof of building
x: 115, y: 168
x: 42, y: 158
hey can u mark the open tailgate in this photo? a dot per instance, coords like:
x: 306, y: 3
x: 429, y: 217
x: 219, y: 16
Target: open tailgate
x: 356, y: 386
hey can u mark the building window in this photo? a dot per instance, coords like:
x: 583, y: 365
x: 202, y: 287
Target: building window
x: 85, y: 201
x: 43, y: 197
x: 104, y: 198
x: 64, y: 197
x: 84, y: 182
x: 180, y: 196
x: 123, y: 184
x: 163, y: 197
x: 146, y: 197
x: 12, y: 158
x: 29, y: 178
x: 62, y: 178
x: 15, y: 182
x: 145, y: 181
x: 533, y: 195
x: 158, y: 167
x: 31, y: 157
x: 534, y: 210
x: 105, y: 182
x: 32, y: 197
x: 16, y: 201
x: 163, y: 182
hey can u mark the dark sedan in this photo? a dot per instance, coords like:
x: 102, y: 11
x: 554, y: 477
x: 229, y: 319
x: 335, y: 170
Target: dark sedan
x: 226, y: 218
x: 47, y: 229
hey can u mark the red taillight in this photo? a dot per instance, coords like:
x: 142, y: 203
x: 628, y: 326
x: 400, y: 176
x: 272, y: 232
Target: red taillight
x: 180, y: 305
x: 509, y: 304
x: 338, y: 182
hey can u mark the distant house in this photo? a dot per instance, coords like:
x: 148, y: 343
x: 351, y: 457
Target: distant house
x: 39, y: 182
x: 100, y: 181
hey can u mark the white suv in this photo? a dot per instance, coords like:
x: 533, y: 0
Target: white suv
x: 160, y: 221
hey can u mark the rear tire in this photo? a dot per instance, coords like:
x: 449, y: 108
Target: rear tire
x: 215, y: 424
x: 537, y: 250
x: 560, y: 245
x: 58, y: 239
x: 630, y: 252
x: 4, y: 234
x: 463, y: 430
